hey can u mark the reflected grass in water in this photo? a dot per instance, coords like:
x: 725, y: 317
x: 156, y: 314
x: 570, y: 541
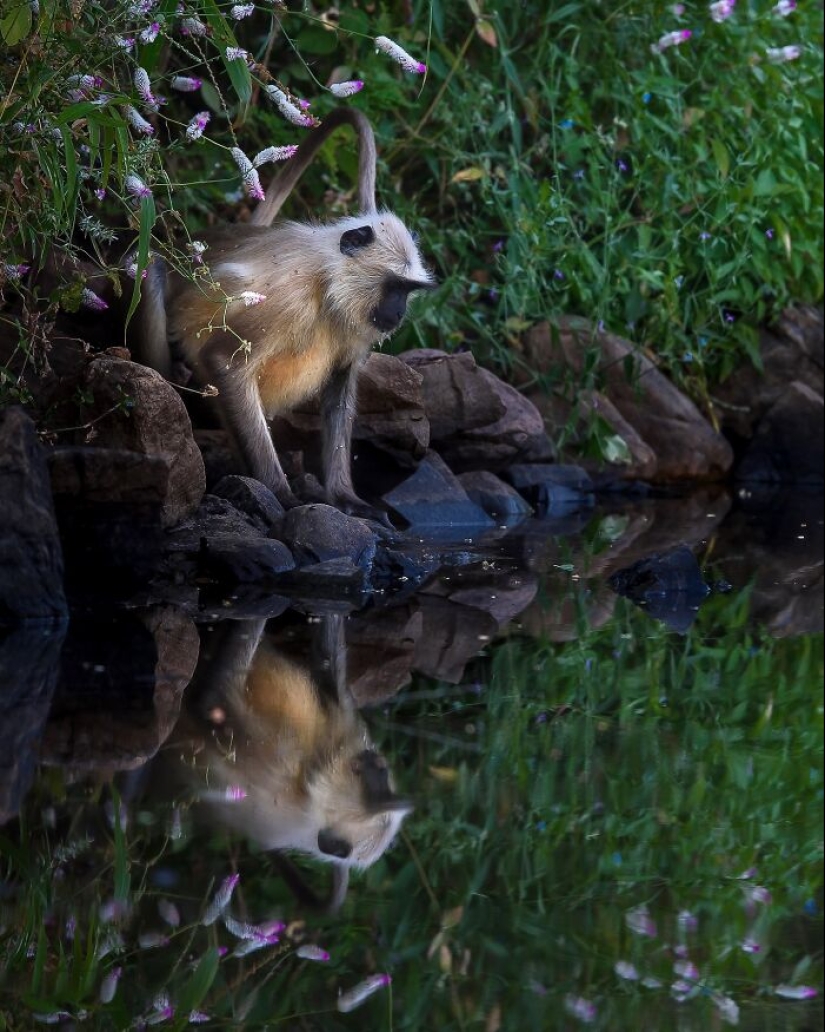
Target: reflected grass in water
x: 561, y: 789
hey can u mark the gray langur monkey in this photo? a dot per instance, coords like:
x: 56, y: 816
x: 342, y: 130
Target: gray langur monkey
x: 330, y: 293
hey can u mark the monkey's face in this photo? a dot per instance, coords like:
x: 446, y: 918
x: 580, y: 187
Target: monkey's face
x: 380, y: 266
x: 356, y: 809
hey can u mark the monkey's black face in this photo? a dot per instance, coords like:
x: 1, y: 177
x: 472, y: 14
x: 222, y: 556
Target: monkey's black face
x: 391, y: 309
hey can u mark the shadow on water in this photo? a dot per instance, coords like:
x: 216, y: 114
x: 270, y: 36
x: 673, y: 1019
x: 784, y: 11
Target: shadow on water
x: 573, y: 780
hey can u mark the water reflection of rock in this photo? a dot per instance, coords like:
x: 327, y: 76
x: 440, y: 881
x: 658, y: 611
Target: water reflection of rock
x: 120, y: 689
x: 29, y: 658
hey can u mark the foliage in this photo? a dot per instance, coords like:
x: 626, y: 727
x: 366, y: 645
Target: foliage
x: 561, y: 787
x: 551, y: 160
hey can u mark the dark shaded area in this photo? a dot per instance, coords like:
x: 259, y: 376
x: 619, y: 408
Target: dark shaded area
x: 669, y: 587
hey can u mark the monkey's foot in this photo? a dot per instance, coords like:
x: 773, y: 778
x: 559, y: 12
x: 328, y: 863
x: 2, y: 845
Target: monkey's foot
x: 352, y: 505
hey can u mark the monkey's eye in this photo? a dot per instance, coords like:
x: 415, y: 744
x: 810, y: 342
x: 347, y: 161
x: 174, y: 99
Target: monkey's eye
x: 354, y: 239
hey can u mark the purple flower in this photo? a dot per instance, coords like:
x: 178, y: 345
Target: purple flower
x: 581, y: 1009
x: 346, y: 89
x: 312, y: 953
x: 220, y: 900
x: 796, y: 992
x: 273, y: 154
x: 704, y: 235
x: 236, y: 54
x: 108, y: 987
x: 138, y: 122
x: 779, y: 55
x: 239, y: 11
x: 89, y: 299
x: 722, y: 10
x: 196, y: 126
x: 784, y: 8
x: 769, y: 234
x: 354, y: 997
x: 621, y: 165
x: 186, y: 83
x: 193, y: 27
x: 14, y: 272
x: 398, y: 54
x: 150, y: 33
x: 144, y: 86
x: 291, y: 112
x: 136, y: 187
x: 640, y: 922
x: 558, y: 274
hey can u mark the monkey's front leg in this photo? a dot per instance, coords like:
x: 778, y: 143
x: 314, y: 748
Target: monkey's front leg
x: 338, y: 416
x: 239, y: 402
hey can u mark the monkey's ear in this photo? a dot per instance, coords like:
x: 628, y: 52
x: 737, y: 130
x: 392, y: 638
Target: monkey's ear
x: 354, y: 239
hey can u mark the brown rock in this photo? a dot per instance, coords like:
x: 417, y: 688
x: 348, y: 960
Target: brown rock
x: 685, y: 444
x: 789, y: 444
x: 791, y: 349
x: 478, y: 420
x: 134, y: 408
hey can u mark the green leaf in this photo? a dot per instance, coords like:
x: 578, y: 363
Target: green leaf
x: 720, y: 153
x: 148, y: 215
x: 615, y: 449
x: 315, y: 40
x: 198, y: 986
x: 16, y: 25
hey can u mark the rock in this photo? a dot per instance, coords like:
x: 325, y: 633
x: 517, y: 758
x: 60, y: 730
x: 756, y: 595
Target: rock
x: 685, y: 444
x: 451, y: 636
x: 317, y: 533
x: 109, y: 504
x: 119, y: 693
x: 215, y: 517
x: 432, y: 498
x: 502, y: 595
x: 792, y: 349
x: 668, y: 587
x: 31, y: 559
x: 552, y: 490
x: 789, y: 442
x: 134, y: 408
x: 29, y: 662
x: 500, y: 501
x: 252, y: 498
x: 234, y: 559
x: 477, y: 421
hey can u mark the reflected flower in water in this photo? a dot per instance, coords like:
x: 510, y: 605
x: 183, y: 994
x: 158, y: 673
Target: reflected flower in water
x: 640, y: 922
x: 221, y: 900
x: 728, y: 1008
x: 108, y: 987
x: 354, y: 997
x: 796, y: 992
x: 581, y: 1009
x: 309, y: 952
x: 169, y: 912
x: 624, y: 969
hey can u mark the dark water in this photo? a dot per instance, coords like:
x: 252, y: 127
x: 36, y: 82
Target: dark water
x: 561, y: 807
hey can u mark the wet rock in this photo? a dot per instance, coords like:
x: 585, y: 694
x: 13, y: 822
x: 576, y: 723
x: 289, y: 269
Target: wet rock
x: 792, y: 349
x: 669, y: 587
x: 214, y: 518
x: 31, y: 560
x: 478, y: 422
x: 504, y: 596
x: 109, y: 505
x: 120, y: 690
x: 135, y: 409
x: 432, y: 498
x: 318, y: 533
x: 252, y: 498
x: 29, y: 663
x: 233, y: 559
x: 685, y: 444
x: 500, y: 501
x: 789, y: 444
x: 552, y: 490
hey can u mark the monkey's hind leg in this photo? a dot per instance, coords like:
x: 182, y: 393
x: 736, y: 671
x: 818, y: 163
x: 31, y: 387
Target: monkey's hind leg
x: 242, y: 414
x: 338, y: 404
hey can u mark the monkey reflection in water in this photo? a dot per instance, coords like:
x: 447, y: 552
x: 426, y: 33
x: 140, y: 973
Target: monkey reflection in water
x: 279, y: 753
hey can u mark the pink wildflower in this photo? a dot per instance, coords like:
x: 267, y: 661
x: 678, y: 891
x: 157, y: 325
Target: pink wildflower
x: 196, y: 126
x: 14, y: 272
x: 89, y: 299
x: 398, y: 54
x: 640, y: 922
x: 108, y: 987
x: 580, y: 1009
x: 273, y: 154
x: 186, y: 83
x: 136, y: 187
x: 221, y: 899
x: 152, y: 940
x: 193, y: 27
x: 796, y: 992
x: 251, y: 298
x: 236, y: 54
x: 784, y: 8
x: 346, y: 89
x: 138, y: 122
x: 291, y: 112
x: 144, y: 86
x: 239, y: 11
x: 169, y: 912
x: 124, y: 42
x: 624, y: 969
x: 150, y: 33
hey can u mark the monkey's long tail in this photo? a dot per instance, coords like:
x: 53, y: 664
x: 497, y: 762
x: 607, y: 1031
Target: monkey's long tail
x: 282, y: 186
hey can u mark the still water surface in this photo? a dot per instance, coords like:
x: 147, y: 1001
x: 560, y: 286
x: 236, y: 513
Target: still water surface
x: 556, y: 810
